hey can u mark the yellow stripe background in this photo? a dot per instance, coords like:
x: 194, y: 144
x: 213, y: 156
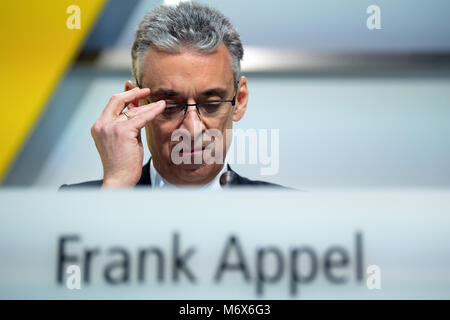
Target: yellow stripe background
x: 37, y: 47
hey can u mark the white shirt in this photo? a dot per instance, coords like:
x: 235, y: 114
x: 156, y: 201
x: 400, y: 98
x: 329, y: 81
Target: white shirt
x: 158, y: 181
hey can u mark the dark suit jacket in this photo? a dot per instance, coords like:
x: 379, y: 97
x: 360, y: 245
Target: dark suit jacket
x: 144, y: 181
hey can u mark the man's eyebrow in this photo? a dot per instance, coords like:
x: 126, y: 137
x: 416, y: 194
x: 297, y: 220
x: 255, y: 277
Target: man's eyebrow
x: 166, y: 93
x: 220, y: 92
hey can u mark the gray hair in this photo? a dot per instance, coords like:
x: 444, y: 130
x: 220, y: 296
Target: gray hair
x: 188, y: 24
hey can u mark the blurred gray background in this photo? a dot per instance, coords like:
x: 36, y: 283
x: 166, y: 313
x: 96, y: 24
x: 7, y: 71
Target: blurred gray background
x: 355, y: 108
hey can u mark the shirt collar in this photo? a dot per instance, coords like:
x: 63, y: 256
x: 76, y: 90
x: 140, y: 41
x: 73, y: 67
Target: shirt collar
x: 158, y: 182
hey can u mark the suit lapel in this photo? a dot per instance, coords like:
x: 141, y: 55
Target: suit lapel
x: 145, y: 176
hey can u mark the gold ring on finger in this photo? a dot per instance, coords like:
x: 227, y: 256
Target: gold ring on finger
x: 126, y: 115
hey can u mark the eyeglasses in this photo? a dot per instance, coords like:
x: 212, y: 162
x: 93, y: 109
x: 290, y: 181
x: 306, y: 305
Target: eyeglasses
x: 206, y: 109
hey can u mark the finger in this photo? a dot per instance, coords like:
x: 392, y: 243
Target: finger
x: 130, y: 86
x: 135, y: 111
x: 132, y: 105
x: 135, y: 104
x: 123, y: 117
x: 118, y: 101
x: 147, y: 114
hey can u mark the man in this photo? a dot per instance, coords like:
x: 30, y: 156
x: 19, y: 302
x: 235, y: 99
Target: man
x: 186, y: 63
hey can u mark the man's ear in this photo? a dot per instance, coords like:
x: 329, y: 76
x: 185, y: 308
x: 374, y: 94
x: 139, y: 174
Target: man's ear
x: 241, y: 100
x: 129, y: 86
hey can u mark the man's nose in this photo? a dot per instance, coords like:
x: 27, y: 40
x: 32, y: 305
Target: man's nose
x: 192, y: 121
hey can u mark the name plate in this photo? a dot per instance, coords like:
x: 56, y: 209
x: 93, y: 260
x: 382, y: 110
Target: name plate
x: 141, y: 244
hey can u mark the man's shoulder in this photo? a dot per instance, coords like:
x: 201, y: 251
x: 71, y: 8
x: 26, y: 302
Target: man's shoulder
x: 86, y: 184
x: 232, y: 179
x: 96, y: 184
x: 236, y: 180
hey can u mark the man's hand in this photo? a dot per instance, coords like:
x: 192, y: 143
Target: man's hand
x: 118, y: 139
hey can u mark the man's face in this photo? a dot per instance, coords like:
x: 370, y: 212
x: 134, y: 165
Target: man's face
x: 191, y: 77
